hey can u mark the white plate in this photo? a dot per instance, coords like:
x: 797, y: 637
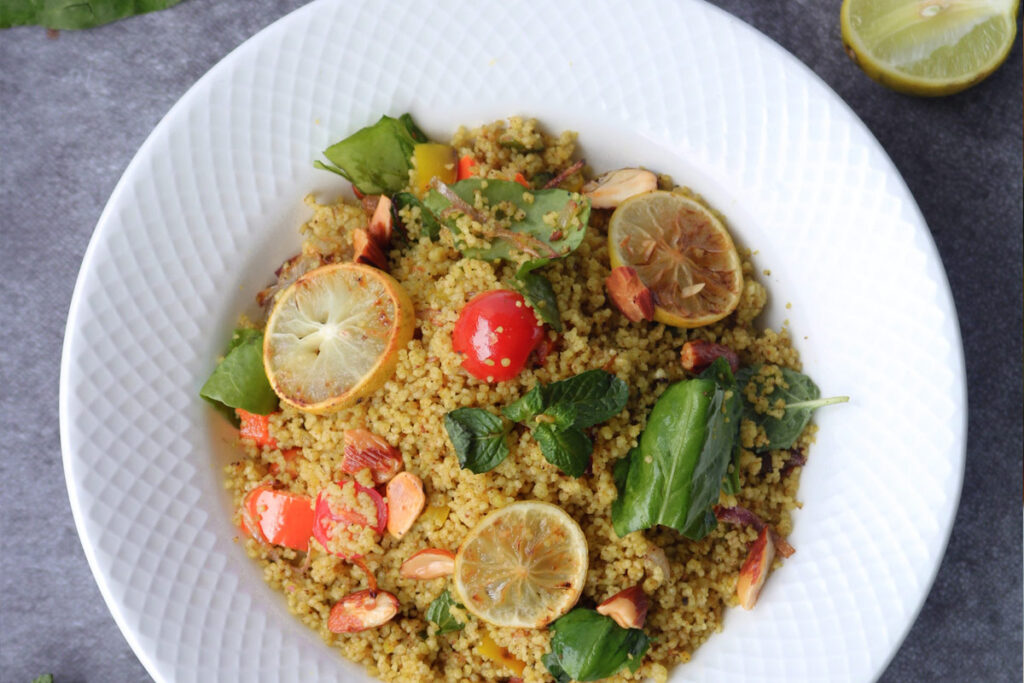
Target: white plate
x: 211, y: 203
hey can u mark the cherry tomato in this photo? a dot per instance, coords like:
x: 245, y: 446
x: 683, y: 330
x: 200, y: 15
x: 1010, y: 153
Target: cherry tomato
x: 496, y: 331
x: 278, y: 517
x: 329, y: 521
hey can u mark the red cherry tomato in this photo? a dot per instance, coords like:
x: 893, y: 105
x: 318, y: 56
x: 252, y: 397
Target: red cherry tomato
x: 329, y: 522
x: 496, y: 331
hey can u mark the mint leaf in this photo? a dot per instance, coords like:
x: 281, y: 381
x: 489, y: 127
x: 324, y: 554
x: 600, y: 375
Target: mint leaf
x: 587, y: 646
x: 539, y: 293
x: 239, y: 381
x: 478, y: 438
x: 376, y: 159
x: 596, y: 395
x: 568, y: 449
x: 532, y: 403
x: 439, y: 612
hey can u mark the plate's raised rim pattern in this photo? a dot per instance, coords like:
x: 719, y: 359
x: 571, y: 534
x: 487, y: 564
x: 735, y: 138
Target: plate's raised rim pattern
x: 766, y: 138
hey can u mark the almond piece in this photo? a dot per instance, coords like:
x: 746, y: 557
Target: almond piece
x: 430, y: 563
x: 367, y: 251
x: 362, y: 610
x: 629, y: 294
x: 405, y: 502
x: 366, y: 450
x: 380, y: 224
x: 755, y: 569
x: 699, y: 354
x: 628, y: 608
x: 611, y: 189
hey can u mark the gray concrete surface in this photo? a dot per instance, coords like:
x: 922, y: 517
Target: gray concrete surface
x: 74, y: 109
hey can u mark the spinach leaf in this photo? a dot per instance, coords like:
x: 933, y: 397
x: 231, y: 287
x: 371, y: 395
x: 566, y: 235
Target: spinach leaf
x: 402, y: 200
x: 675, y: 474
x: 566, y: 448
x: 376, y: 159
x: 478, y: 438
x: 530, y: 233
x: 587, y: 646
x: 439, y: 612
x: 74, y: 14
x: 239, y: 381
x: 539, y: 293
x: 802, y: 397
x: 731, y: 483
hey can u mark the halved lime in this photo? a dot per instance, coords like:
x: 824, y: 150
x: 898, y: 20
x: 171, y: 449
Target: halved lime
x: 928, y: 47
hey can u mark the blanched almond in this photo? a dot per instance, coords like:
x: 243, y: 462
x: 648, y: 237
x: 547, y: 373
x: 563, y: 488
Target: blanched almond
x: 366, y: 250
x: 362, y: 610
x: 698, y: 354
x: 628, y: 608
x: 656, y: 557
x: 755, y: 569
x: 380, y: 224
x: 431, y: 563
x: 611, y: 189
x: 405, y: 502
x: 629, y: 294
x: 366, y: 450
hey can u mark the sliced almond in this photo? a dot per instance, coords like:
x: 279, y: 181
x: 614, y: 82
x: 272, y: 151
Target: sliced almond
x: 362, y: 610
x: 405, y: 502
x: 366, y: 450
x: 611, y: 189
x: 366, y: 250
x: 629, y: 294
x: 430, y: 563
x: 628, y: 608
x: 755, y: 569
x: 380, y: 224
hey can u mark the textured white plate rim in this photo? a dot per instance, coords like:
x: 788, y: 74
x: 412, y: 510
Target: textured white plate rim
x: 943, y: 296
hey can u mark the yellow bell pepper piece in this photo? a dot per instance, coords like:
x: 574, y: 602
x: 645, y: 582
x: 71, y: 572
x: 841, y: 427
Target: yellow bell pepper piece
x: 432, y: 159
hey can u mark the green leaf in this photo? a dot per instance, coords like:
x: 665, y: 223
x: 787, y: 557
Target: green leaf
x: 731, y: 482
x: 239, y: 381
x: 45, y: 678
x: 376, y: 159
x: 587, y: 646
x: 597, y: 396
x: 539, y: 293
x: 802, y: 398
x: 568, y: 448
x: 74, y: 14
x: 532, y: 403
x: 675, y: 474
x: 478, y: 438
x: 439, y: 612
x: 527, y: 233
x: 428, y: 221
x: 414, y: 131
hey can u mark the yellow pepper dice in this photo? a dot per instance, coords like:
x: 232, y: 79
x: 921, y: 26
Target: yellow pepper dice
x: 499, y: 655
x: 433, y: 159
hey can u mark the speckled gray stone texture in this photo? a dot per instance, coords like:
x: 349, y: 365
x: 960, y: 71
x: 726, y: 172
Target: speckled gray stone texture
x: 75, y: 108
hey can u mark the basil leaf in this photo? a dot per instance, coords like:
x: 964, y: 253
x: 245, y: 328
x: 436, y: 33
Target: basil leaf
x: 239, y: 381
x: 478, y: 438
x: 75, y: 14
x: 676, y: 472
x: 539, y: 293
x: 568, y: 449
x: 587, y: 646
x: 402, y: 200
x: 439, y: 612
x: 531, y: 231
x: 532, y: 403
x: 375, y: 159
x: 802, y: 397
x: 597, y: 395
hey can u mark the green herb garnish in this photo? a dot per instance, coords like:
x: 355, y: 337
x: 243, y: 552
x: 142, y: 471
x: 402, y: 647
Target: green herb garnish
x: 539, y: 293
x: 587, y: 646
x: 240, y: 381
x: 439, y: 612
x: 74, y: 14
x: 376, y: 159
x: 675, y: 474
x: 478, y: 437
x: 402, y: 200
x: 801, y: 397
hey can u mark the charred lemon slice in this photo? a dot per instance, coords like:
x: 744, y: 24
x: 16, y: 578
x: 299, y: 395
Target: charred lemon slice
x: 334, y: 336
x: 682, y: 252
x: 522, y: 566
